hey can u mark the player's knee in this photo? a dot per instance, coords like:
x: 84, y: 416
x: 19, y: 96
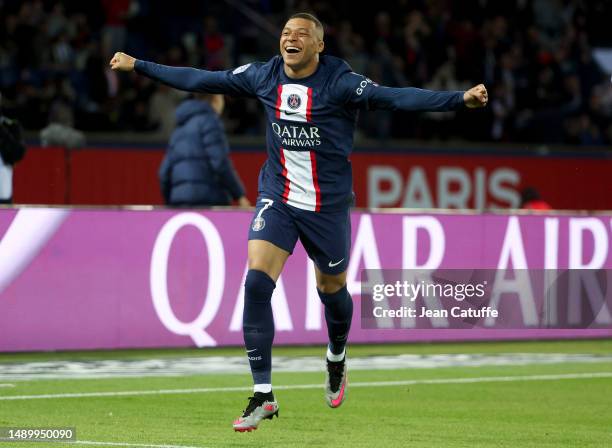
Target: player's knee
x: 331, y: 286
x: 258, y: 287
x: 260, y: 265
x: 330, y: 283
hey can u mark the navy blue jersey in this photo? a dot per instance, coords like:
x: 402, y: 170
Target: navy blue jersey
x: 310, y: 121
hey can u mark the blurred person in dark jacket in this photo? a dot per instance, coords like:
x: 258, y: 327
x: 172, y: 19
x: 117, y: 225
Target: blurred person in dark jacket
x: 12, y: 150
x: 197, y: 170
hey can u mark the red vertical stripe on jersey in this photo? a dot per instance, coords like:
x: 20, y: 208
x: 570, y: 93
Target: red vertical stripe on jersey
x: 309, y: 105
x: 284, y: 165
x: 315, y: 177
x: 279, y: 93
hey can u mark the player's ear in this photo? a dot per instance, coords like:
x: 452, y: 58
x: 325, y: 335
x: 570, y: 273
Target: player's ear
x: 320, y: 46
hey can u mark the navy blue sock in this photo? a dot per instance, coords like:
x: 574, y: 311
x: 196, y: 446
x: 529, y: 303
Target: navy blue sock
x: 258, y: 324
x: 338, y: 315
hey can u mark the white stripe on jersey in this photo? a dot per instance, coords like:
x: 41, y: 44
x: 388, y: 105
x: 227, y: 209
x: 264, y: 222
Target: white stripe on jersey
x: 303, y: 183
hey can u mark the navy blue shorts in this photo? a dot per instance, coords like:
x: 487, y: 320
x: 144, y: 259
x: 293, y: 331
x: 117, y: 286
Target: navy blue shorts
x: 325, y: 236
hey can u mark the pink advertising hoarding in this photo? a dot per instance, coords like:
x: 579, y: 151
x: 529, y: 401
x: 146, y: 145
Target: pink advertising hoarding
x: 89, y: 279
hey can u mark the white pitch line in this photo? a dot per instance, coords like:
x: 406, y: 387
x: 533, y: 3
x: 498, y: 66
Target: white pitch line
x: 6, y: 385
x: 145, y: 445
x: 481, y: 379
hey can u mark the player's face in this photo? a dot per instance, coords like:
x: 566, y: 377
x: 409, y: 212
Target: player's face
x: 300, y: 44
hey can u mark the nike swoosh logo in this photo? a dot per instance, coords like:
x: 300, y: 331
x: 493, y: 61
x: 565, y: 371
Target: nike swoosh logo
x: 331, y: 265
x: 291, y: 113
x: 249, y: 351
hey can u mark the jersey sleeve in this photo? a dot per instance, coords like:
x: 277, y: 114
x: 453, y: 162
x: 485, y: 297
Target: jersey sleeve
x: 360, y: 92
x: 241, y: 81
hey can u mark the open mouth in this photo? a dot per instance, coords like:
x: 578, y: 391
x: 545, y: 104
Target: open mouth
x: 292, y: 50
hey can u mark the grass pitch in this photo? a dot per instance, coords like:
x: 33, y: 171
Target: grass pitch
x: 550, y: 405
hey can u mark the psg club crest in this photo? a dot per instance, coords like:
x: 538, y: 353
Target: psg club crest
x: 258, y: 224
x: 293, y: 101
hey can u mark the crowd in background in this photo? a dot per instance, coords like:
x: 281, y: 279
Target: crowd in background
x: 535, y: 57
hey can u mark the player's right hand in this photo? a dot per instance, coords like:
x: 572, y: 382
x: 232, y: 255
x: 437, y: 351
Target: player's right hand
x: 123, y: 62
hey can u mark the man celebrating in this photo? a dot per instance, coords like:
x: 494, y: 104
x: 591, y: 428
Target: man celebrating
x: 305, y: 187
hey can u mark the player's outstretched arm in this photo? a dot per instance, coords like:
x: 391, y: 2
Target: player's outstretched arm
x: 413, y: 99
x: 363, y: 93
x: 187, y: 78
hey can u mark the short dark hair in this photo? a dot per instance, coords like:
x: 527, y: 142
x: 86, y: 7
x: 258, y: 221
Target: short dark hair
x: 308, y: 16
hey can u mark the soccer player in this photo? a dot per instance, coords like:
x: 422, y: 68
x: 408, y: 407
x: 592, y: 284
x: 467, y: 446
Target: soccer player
x: 311, y: 103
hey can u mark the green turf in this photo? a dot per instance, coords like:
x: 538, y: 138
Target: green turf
x: 573, y: 346
x: 559, y: 413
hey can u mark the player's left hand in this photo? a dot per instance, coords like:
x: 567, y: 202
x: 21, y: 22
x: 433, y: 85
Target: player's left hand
x: 476, y: 97
x: 123, y: 62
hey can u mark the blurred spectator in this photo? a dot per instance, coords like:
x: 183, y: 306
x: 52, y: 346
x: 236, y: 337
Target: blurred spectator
x: 501, y: 107
x: 214, y: 45
x: 352, y: 47
x: 197, y: 170
x: 56, y: 134
x: 60, y: 131
x: 114, y: 33
x: 544, y: 82
x: 161, y: 111
x: 12, y: 150
x: 531, y: 200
